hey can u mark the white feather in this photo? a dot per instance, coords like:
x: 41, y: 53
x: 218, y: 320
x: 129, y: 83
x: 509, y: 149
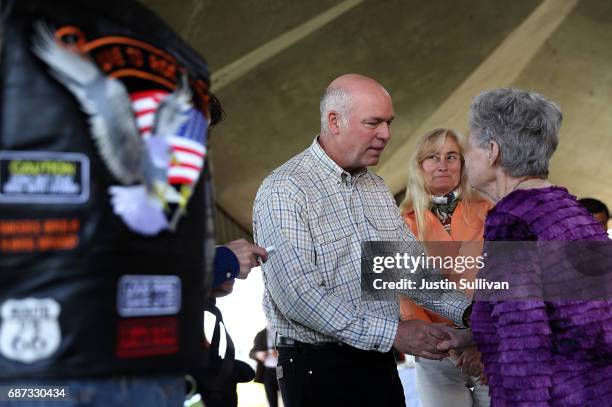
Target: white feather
x: 142, y: 212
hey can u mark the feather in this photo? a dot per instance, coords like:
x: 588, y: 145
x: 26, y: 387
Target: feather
x: 173, y: 111
x: 140, y: 211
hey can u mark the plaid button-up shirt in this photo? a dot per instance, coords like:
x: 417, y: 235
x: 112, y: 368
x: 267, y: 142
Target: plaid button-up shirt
x: 316, y: 215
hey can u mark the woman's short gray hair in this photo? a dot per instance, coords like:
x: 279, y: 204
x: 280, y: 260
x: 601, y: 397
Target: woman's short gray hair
x: 524, y: 124
x: 338, y: 100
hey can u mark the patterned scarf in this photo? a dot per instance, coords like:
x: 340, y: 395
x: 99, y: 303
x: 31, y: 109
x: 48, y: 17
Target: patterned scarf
x: 443, y: 207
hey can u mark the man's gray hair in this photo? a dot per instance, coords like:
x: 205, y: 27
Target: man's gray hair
x: 524, y: 124
x: 337, y: 100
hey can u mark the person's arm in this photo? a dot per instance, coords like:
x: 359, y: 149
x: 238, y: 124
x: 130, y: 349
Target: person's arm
x: 452, y: 304
x: 226, y: 266
x: 247, y: 255
x: 259, y: 347
x: 295, y: 284
x: 235, y: 260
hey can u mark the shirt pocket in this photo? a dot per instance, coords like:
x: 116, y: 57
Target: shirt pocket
x: 333, y: 236
x: 331, y: 226
x: 384, y: 222
x: 381, y: 213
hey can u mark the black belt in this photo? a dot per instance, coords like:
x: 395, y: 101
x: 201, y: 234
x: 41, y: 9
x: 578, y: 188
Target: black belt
x: 286, y: 342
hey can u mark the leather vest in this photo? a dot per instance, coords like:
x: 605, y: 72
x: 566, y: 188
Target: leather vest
x: 102, y: 261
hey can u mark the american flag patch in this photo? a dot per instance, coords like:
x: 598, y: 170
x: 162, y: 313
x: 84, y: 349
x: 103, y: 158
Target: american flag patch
x: 145, y: 105
x: 188, y: 145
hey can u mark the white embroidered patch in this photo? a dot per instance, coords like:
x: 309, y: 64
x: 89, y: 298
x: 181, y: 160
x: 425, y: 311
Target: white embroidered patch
x: 30, y: 329
x: 144, y: 295
x: 44, y: 177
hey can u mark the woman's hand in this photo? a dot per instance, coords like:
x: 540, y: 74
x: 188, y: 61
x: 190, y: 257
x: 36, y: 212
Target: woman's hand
x: 469, y: 362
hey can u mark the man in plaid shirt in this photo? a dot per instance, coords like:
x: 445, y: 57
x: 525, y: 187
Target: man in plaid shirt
x: 315, y: 210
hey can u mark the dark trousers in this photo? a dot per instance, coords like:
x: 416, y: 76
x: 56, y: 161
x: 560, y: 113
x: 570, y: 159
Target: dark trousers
x: 338, y: 376
x: 271, y: 385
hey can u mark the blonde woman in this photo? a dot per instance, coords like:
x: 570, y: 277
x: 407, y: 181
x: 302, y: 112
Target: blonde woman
x: 440, y: 207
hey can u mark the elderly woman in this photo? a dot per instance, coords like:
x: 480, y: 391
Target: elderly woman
x: 440, y: 207
x: 536, y: 352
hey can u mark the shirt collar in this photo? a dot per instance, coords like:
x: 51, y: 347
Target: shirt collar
x: 330, y: 167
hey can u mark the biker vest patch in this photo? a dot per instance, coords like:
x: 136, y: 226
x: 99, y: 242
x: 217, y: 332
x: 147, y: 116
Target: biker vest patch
x: 147, y: 118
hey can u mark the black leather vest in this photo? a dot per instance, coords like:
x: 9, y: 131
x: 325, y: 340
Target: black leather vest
x: 83, y: 291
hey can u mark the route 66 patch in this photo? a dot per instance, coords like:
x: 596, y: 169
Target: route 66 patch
x: 30, y: 329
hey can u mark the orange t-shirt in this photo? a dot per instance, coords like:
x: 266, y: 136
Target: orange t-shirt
x: 466, y: 226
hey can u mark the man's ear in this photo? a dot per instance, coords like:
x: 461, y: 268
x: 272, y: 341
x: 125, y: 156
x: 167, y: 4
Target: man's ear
x: 494, y: 154
x: 333, y: 122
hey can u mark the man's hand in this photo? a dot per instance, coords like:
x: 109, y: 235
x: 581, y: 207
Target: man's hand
x: 457, y: 339
x: 223, y: 289
x: 261, y: 355
x: 247, y: 255
x: 420, y: 338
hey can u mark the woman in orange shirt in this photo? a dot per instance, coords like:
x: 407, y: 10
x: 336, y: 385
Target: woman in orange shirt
x: 441, y: 207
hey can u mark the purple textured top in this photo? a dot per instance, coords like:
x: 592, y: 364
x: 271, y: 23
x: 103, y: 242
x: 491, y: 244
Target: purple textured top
x: 544, y: 353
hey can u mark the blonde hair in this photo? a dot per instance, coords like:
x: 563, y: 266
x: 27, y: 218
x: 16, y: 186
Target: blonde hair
x: 418, y: 196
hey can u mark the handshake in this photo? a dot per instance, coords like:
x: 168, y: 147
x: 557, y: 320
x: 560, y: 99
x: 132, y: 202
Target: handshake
x: 429, y: 340
x: 437, y: 341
